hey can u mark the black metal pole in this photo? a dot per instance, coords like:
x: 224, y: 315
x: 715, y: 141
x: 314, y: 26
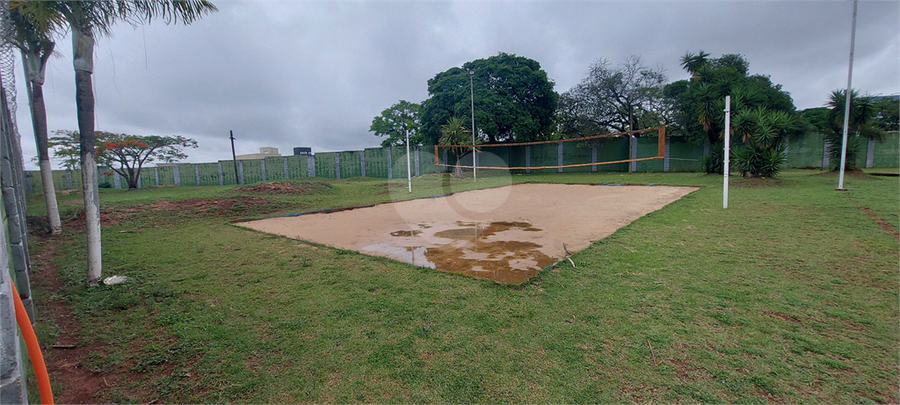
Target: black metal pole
x: 237, y: 179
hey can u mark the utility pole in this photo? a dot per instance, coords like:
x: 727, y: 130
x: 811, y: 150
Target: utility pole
x: 237, y: 179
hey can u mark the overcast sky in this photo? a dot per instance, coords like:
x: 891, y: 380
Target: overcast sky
x: 315, y: 73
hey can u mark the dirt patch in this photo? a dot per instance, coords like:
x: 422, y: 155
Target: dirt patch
x: 882, y: 223
x: 197, y: 208
x: 283, y: 187
x: 65, y: 358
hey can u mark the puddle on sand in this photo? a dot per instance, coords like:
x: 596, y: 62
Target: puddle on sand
x: 469, y: 251
x: 405, y: 233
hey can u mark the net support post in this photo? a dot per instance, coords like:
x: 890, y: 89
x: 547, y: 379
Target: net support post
x: 726, y: 155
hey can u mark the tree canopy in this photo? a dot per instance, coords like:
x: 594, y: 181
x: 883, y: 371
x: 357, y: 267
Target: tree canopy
x: 124, y: 154
x: 395, y: 121
x: 614, y: 99
x: 699, y: 102
x: 514, y: 100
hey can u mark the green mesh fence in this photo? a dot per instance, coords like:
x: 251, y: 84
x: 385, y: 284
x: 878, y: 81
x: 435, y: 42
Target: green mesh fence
x: 684, y: 156
x: 887, y: 153
x: 805, y: 151
x: 426, y: 160
x: 274, y: 168
x: 398, y: 162
x: 351, y: 164
x: 325, y: 165
x: 376, y: 163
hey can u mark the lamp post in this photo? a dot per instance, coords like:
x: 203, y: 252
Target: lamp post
x: 474, y: 156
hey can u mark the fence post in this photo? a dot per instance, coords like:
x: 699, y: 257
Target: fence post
x: 221, y: 176
x: 287, y: 173
x: 197, y: 173
x: 117, y: 180
x: 390, y: 163
x: 527, y: 158
x: 632, y: 146
x: 417, y: 161
x: 559, y: 157
x: 362, y: 162
x: 870, y: 152
x: 156, y: 174
x: 311, y: 165
x: 826, y: 160
x: 240, y: 171
x: 176, y: 175
x: 262, y: 169
x: 68, y: 179
x: 594, y: 158
x: 667, y: 156
x: 337, y: 165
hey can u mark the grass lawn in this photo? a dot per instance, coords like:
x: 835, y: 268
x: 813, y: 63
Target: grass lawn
x: 788, y: 296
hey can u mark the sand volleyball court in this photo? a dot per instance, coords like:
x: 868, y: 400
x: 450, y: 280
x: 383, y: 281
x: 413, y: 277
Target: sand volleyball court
x: 507, y: 234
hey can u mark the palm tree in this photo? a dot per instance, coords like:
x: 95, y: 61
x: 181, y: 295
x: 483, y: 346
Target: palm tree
x: 862, y: 114
x: 86, y: 20
x: 35, y: 25
x: 694, y: 63
x: 455, y: 133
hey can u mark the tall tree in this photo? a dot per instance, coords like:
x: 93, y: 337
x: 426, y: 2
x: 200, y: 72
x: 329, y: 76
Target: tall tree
x: 395, y: 121
x: 514, y: 99
x: 87, y: 20
x: 700, y: 104
x: 615, y: 99
x: 863, y: 125
x: 35, y: 26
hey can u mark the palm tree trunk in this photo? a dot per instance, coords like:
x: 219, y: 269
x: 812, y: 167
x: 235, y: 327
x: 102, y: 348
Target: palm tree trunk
x: 39, y: 123
x: 83, y: 49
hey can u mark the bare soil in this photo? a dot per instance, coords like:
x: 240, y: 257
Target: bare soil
x: 507, y: 233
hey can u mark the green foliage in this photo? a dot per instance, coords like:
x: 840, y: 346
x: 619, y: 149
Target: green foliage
x: 713, y: 163
x: 699, y: 102
x: 514, y: 99
x: 862, y: 125
x: 125, y: 154
x: 764, y: 116
x: 755, y: 161
x: 394, y: 122
x: 614, y: 99
x: 455, y: 133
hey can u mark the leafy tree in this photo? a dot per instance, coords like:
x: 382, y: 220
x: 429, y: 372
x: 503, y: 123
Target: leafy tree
x: 614, y: 99
x: 395, y: 121
x: 454, y: 132
x: 887, y: 113
x: 513, y: 97
x: 33, y: 36
x: 863, y: 124
x: 124, y: 154
x: 768, y: 115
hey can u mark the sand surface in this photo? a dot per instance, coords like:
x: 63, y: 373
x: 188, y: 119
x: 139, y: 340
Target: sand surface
x: 506, y: 233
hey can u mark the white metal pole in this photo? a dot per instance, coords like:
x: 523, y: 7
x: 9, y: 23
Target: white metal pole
x: 474, y: 157
x: 847, y: 102
x: 727, y: 153
x: 408, y: 173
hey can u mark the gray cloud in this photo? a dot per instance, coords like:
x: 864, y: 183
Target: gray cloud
x: 287, y: 74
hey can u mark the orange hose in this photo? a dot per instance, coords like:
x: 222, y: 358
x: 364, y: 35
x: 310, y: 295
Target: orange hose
x: 34, y: 350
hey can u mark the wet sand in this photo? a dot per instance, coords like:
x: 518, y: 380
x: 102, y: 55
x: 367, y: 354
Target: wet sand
x: 507, y: 233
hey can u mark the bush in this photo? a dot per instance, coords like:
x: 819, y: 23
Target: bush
x: 713, y: 163
x: 752, y: 161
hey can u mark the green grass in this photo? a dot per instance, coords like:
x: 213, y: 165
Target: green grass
x: 790, y: 295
